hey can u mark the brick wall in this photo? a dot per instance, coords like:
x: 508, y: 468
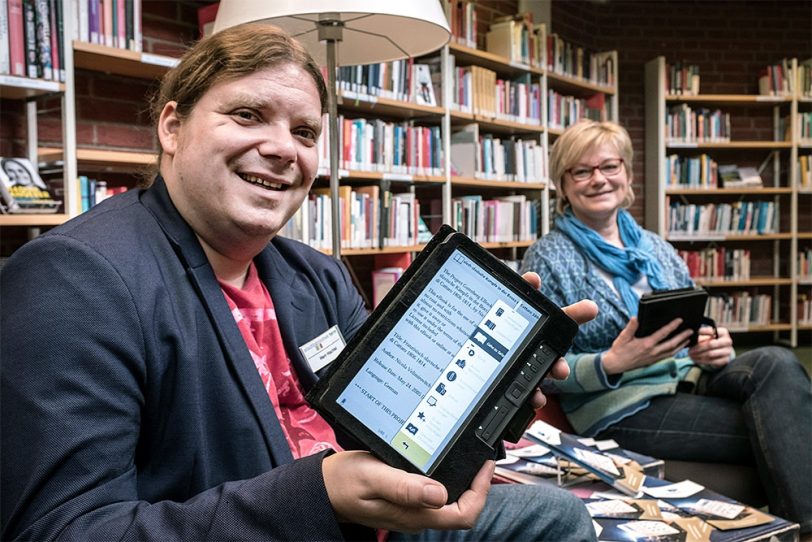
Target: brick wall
x: 730, y: 40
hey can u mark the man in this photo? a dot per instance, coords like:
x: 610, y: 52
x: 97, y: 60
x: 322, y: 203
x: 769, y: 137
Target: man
x: 131, y: 403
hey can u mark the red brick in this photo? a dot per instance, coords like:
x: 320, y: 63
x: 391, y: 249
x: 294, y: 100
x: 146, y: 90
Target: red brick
x: 127, y: 137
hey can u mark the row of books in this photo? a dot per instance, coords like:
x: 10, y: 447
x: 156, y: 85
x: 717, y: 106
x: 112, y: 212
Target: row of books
x: 479, y: 91
x: 369, y: 218
x: 804, y: 78
x: 93, y: 191
x: 462, y: 21
x: 776, y: 79
x: 500, y: 220
x: 388, y: 147
x: 804, y: 309
x: 31, y: 40
x: 739, y: 310
x: 681, y: 79
x: 397, y: 80
x: 566, y: 58
x: 564, y: 111
x: 491, y: 158
x: 717, y: 263
x: 691, y: 171
x: 114, y: 23
x: 805, y: 171
x: 805, y: 264
x: 805, y: 127
x: 516, y: 38
x: 686, y: 125
x: 735, y: 218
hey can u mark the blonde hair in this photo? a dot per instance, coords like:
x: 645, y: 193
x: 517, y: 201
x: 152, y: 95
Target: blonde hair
x: 227, y: 55
x: 580, y: 138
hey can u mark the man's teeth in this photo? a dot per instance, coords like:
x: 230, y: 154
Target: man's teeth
x: 261, y: 182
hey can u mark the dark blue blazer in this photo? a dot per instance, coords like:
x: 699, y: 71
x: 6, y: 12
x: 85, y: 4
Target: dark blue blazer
x: 131, y: 408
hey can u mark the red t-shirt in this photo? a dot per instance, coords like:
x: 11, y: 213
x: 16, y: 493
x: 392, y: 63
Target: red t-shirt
x: 307, y: 432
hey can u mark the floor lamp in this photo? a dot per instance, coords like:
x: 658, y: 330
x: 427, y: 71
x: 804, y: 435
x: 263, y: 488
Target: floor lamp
x: 355, y: 32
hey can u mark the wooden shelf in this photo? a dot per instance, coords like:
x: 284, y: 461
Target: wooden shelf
x: 768, y: 145
x: 468, y: 55
x: 100, y: 58
x: 353, y: 101
x: 101, y: 158
x: 751, y: 328
x: 493, y: 124
x: 755, y: 281
x: 765, y: 190
x: 23, y: 88
x: 573, y: 84
x: 373, y: 251
x: 515, y: 185
x: 352, y: 174
x: 729, y: 99
x: 510, y: 244
x: 697, y: 237
x: 33, y: 219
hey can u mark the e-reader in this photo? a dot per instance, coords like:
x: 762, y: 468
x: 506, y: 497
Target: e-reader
x: 658, y: 308
x: 443, y: 368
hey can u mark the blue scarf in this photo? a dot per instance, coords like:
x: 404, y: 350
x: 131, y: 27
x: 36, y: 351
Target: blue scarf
x: 625, y: 265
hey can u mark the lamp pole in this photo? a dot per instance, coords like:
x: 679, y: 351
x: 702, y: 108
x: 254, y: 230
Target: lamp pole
x: 331, y: 30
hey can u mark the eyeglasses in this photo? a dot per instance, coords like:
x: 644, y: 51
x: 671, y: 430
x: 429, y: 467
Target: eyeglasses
x: 608, y: 168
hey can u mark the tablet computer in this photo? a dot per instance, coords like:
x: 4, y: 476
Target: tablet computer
x: 657, y: 309
x: 435, y: 376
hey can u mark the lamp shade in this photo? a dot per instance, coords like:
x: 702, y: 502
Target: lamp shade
x: 373, y: 30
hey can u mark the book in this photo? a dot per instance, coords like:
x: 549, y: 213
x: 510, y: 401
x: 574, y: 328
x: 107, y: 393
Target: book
x: 16, y: 37
x: 423, y: 88
x: 733, y: 176
x: 5, y: 57
x: 23, y: 189
x: 382, y: 281
x: 657, y: 309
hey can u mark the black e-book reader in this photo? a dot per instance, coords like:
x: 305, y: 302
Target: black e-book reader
x: 435, y: 377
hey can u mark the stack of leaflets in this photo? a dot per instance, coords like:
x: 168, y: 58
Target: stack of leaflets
x: 22, y: 190
x: 626, y: 496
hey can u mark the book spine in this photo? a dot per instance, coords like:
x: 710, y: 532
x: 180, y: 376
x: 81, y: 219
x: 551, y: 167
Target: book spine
x: 55, y: 46
x: 16, y: 38
x: 43, y: 33
x: 106, y: 23
x: 94, y: 21
x: 5, y: 57
x: 137, y: 37
x: 121, y: 24
x: 128, y: 25
x: 32, y: 67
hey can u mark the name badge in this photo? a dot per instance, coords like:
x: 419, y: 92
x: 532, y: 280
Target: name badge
x: 322, y: 350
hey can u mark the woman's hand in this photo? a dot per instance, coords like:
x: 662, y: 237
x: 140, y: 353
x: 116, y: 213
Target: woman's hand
x: 364, y: 490
x: 630, y: 352
x: 710, y: 351
x: 582, y: 312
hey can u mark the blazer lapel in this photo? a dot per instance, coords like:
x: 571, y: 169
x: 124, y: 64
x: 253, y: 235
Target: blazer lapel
x: 236, y: 353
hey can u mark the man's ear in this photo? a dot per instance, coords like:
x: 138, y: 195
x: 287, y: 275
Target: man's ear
x: 168, y: 128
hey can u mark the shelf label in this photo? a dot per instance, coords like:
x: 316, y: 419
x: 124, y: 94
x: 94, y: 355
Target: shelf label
x: 352, y: 95
x: 159, y: 60
x: 762, y: 98
x: 24, y: 82
x: 397, y: 177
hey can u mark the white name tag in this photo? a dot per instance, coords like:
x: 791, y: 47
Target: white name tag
x: 322, y: 350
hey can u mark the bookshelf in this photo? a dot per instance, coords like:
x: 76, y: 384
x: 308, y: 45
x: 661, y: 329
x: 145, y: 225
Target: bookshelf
x: 689, y: 137
x: 436, y: 189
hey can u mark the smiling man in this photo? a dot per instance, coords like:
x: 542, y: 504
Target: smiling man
x: 152, y: 381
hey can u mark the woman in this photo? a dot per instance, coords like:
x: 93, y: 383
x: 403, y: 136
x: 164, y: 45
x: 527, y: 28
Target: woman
x: 652, y: 394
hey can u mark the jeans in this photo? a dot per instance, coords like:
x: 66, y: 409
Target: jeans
x: 520, y: 512
x: 757, y: 411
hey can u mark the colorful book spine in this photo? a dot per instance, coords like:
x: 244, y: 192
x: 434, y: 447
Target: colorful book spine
x: 16, y: 37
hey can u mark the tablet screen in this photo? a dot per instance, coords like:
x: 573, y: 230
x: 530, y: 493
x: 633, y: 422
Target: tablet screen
x: 430, y: 372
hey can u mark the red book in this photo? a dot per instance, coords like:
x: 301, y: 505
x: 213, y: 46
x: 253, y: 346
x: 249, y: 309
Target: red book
x: 16, y: 37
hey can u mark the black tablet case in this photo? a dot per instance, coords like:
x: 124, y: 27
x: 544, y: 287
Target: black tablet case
x: 657, y: 309
x: 471, y: 450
